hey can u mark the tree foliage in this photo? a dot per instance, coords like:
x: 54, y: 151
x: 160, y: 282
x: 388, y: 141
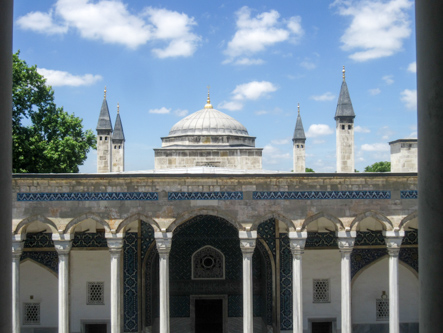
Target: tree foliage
x: 45, y: 137
x: 379, y: 167
x: 309, y: 170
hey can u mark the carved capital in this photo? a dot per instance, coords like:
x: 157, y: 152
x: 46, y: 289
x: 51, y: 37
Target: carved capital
x: 63, y: 247
x: 163, y: 241
x: 297, y: 242
x: 17, y: 249
x: 247, y: 241
x: 346, y: 240
x: 393, y: 241
x: 115, y: 243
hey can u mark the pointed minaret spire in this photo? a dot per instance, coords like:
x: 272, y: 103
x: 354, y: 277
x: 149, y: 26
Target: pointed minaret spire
x: 298, y: 145
x: 104, y: 133
x: 344, y: 117
x: 208, y: 101
x: 118, y: 144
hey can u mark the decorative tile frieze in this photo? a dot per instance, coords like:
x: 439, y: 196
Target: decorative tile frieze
x: 411, y: 237
x: 366, y: 238
x: 88, y: 196
x: 409, y: 194
x: 130, y: 278
x: 363, y: 257
x: 86, y: 239
x: 285, y: 283
x: 409, y: 255
x: 319, y: 195
x: 38, y: 239
x: 46, y: 258
x: 205, y: 195
x: 321, y: 239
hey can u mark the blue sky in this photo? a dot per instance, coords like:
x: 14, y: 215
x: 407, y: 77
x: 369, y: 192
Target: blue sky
x: 260, y: 58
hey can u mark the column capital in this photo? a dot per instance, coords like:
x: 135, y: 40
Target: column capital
x: 17, y: 248
x: 297, y: 241
x: 346, y: 240
x: 115, y: 241
x: 163, y: 241
x: 62, y: 243
x: 247, y: 241
x: 393, y: 241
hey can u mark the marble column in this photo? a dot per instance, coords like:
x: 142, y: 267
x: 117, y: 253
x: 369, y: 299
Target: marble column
x: 393, y: 241
x: 345, y: 242
x: 115, y: 246
x: 63, y: 244
x: 297, y: 241
x: 247, y: 246
x: 17, y: 250
x: 164, y: 241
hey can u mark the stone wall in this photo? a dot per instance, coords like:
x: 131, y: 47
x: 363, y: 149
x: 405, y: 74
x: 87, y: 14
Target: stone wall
x: 404, y: 155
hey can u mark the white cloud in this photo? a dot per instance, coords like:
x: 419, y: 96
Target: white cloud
x: 409, y: 98
x: 308, y: 65
x: 412, y: 67
x: 328, y: 96
x: 273, y: 155
x: 374, y: 91
x: 255, y: 34
x: 375, y: 147
x: 253, y: 90
x: 281, y: 141
x: 181, y: 113
x: 261, y: 112
x: 59, y: 78
x: 385, y: 132
x: 247, y: 61
x: 316, y: 130
x: 388, y: 79
x: 110, y: 21
x: 42, y: 23
x: 162, y: 110
x: 378, y: 28
x: 360, y: 129
x: 318, y: 142
x: 231, y: 106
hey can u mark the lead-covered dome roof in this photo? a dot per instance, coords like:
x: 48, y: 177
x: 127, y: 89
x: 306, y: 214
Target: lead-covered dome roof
x: 208, y: 121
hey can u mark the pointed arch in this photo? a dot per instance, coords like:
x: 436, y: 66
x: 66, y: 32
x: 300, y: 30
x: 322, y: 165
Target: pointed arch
x: 273, y: 215
x: 186, y: 216
x: 408, y: 219
x: 338, y: 224
x: 69, y: 229
x: 23, y: 225
x: 382, y: 219
x: 136, y: 217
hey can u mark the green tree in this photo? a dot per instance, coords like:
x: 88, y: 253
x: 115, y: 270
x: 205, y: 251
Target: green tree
x: 45, y: 137
x: 379, y: 167
x: 309, y: 170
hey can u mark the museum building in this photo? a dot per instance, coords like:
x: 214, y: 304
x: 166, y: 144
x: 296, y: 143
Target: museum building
x: 208, y: 241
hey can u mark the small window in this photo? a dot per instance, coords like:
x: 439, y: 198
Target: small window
x: 349, y: 127
x: 342, y: 127
x: 96, y: 293
x: 119, y: 147
x: 115, y: 147
x: 321, y: 291
x: 31, y: 314
x: 101, y: 138
x: 382, y: 309
x: 106, y: 138
x: 302, y: 146
x: 298, y: 146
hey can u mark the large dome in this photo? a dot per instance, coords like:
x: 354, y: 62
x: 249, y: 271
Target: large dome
x: 208, y: 121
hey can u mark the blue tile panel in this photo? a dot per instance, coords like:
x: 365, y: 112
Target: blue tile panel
x: 409, y: 255
x: 320, y: 195
x: 321, y: 239
x: 285, y: 283
x: 409, y: 194
x: 45, y: 258
x: 130, y: 278
x: 205, y: 195
x: 89, y: 239
x: 88, y: 196
x: 38, y: 239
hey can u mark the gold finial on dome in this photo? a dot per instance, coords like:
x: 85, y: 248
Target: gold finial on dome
x: 105, y: 93
x: 343, y: 71
x: 298, y: 108
x: 208, y: 102
x: 118, y: 108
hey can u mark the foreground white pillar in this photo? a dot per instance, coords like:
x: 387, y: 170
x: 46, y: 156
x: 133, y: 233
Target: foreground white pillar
x: 297, y: 241
x: 115, y: 246
x: 17, y: 250
x: 393, y: 241
x: 63, y: 244
x: 247, y: 246
x: 164, y: 242
x: 346, y: 241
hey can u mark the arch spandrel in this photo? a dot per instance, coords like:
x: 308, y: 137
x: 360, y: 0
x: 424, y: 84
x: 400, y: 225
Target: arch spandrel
x: 23, y: 225
x: 273, y: 215
x: 384, y: 221
x: 69, y: 229
x: 338, y: 224
x: 405, y: 222
x: 186, y: 216
x: 123, y: 225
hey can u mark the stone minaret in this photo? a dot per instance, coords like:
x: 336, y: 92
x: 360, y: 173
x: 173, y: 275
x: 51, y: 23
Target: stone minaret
x: 344, y: 117
x: 299, y: 140
x: 104, y: 133
x: 118, y: 145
